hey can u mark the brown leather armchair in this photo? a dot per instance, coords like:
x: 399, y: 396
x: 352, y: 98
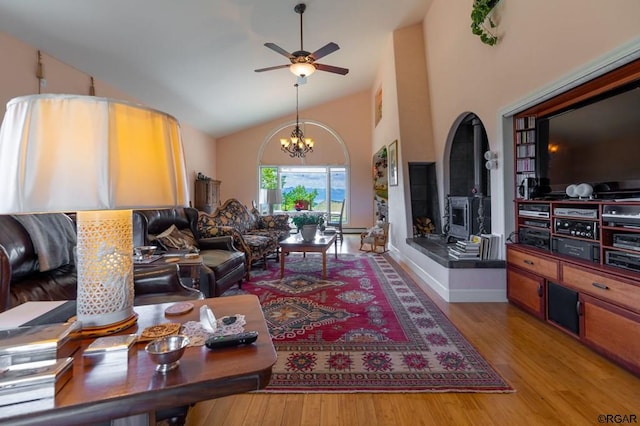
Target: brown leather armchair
x: 223, y: 265
x: 161, y: 284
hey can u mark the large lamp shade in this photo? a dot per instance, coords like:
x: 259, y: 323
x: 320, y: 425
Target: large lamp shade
x: 101, y: 158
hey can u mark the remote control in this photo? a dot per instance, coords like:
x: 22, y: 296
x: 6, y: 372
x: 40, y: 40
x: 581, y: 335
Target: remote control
x: 245, y: 338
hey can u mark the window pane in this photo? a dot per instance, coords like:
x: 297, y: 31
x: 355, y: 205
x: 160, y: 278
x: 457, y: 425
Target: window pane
x: 306, y: 183
x: 268, y: 184
x: 338, y: 185
x: 326, y: 187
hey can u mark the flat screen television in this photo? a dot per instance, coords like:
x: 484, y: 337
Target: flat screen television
x: 595, y: 142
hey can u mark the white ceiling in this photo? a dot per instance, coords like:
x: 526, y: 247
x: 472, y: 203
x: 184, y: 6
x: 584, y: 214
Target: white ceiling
x: 195, y: 58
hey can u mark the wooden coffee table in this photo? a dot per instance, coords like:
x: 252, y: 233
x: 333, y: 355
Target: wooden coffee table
x: 319, y: 245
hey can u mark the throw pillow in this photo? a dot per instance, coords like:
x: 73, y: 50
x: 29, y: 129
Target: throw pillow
x: 173, y: 238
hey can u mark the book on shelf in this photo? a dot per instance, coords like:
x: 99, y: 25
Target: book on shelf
x: 465, y: 249
x: 460, y: 254
x: 468, y: 244
x: 489, y: 246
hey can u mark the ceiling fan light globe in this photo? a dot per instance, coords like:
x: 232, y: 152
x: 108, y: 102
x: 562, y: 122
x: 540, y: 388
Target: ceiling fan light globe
x: 302, y: 69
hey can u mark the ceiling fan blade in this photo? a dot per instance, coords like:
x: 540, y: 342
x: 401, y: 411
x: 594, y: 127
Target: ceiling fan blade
x: 278, y: 49
x: 277, y: 67
x: 324, y: 51
x: 331, y: 68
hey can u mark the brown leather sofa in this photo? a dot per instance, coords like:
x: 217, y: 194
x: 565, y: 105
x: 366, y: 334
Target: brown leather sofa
x: 223, y: 264
x: 21, y: 279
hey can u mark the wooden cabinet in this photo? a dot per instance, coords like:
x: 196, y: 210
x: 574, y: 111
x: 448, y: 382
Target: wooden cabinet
x: 575, y: 262
x: 527, y: 291
x: 611, y: 330
x: 607, y: 287
x: 589, y: 248
x: 206, y: 195
x: 533, y: 262
x: 527, y: 274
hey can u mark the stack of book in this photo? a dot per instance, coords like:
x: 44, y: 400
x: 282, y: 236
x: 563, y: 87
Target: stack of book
x: 481, y: 247
x: 35, y: 362
x: 489, y: 246
x: 465, y: 250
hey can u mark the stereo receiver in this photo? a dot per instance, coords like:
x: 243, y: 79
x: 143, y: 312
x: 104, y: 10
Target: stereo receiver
x: 576, y: 212
x: 576, y: 248
x: 534, y: 210
x: 627, y: 241
x: 627, y: 216
x: 534, y: 237
x: 536, y: 223
x: 623, y: 260
x: 576, y: 228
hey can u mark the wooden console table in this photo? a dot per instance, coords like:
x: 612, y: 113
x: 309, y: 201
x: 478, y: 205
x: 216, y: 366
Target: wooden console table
x: 105, y: 392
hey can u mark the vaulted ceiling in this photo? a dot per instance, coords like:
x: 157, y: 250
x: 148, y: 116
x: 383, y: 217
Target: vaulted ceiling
x: 196, y: 58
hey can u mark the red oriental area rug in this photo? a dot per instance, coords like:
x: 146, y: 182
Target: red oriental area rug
x: 367, y: 328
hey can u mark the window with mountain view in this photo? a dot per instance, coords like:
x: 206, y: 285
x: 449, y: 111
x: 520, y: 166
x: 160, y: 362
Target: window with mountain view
x: 324, y: 187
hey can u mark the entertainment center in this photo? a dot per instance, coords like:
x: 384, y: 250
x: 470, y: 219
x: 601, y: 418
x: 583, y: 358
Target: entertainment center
x: 576, y: 262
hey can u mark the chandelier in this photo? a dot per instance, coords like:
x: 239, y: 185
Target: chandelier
x: 297, y: 145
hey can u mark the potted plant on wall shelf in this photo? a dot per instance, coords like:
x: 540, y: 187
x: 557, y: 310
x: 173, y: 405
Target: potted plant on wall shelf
x: 481, y: 22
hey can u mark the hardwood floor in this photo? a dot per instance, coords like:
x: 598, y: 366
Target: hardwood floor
x: 557, y: 380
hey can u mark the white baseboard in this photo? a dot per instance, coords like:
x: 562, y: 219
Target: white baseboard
x: 458, y: 285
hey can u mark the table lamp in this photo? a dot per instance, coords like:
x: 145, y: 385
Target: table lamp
x: 100, y: 158
x: 274, y: 196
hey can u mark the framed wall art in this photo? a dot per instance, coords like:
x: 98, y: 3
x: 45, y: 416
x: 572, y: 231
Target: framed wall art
x: 380, y: 183
x: 393, y: 163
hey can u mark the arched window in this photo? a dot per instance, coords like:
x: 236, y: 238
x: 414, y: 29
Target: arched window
x: 322, y: 176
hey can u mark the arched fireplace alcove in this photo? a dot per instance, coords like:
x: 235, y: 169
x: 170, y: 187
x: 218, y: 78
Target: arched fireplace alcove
x: 466, y: 171
x: 466, y: 179
x: 467, y: 183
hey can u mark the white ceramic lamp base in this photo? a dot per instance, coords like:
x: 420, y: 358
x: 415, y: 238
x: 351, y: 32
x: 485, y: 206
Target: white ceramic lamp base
x: 105, y: 267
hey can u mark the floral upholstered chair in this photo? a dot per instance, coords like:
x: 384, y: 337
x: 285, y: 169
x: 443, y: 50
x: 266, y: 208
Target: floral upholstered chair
x: 256, y: 235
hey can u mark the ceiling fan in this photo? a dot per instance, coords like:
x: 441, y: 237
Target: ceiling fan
x: 303, y: 63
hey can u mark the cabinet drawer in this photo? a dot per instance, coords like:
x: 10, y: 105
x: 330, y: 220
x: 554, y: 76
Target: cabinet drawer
x: 533, y: 263
x: 604, y: 287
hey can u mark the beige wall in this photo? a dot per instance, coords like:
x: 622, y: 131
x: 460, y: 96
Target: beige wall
x: 349, y: 122
x: 406, y: 117
x: 388, y: 130
x: 18, y: 78
x: 542, y: 44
